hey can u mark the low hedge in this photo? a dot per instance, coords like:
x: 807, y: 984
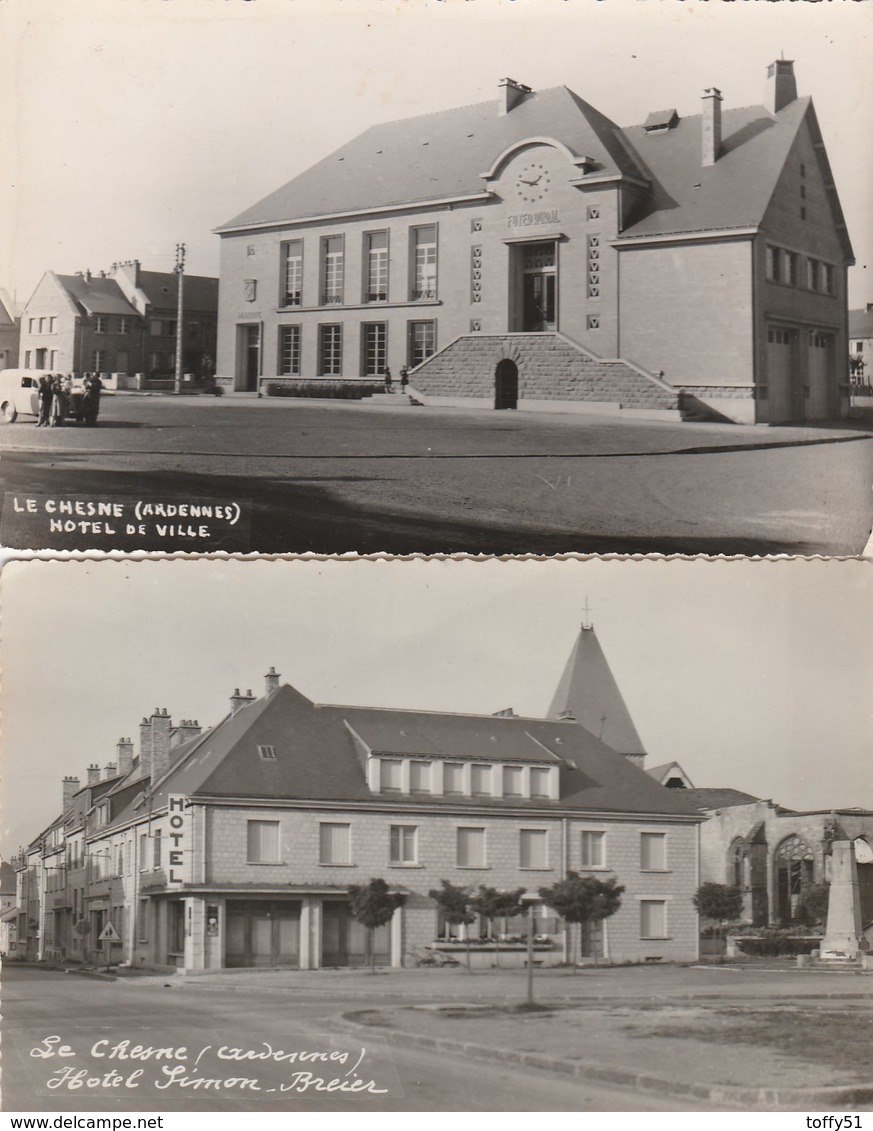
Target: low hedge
x: 774, y: 946
x: 339, y: 390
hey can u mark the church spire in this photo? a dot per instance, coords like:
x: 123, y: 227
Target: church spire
x: 587, y: 692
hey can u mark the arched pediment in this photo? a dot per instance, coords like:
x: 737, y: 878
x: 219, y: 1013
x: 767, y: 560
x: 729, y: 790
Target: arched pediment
x: 581, y: 162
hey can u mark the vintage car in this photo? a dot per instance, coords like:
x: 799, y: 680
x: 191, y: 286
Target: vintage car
x: 19, y: 393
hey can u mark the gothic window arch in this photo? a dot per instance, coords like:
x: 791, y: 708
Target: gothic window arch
x: 794, y: 866
x: 736, y: 865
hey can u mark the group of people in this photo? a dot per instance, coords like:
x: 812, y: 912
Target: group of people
x: 56, y: 399
x: 389, y: 382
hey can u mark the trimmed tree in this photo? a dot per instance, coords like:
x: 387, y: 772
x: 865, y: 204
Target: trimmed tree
x: 723, y: 903
x: 494, y: 904
x: 373, y: 905
x: 583, y: 899
x: 454, y: 903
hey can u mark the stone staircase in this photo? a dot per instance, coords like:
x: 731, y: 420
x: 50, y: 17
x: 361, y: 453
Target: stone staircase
x: 551, y: 367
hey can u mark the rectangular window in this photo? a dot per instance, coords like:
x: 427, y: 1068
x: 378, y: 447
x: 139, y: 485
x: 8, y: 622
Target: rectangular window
x: 123, y: 325
x: 812, y: 274
x: 790, y: 269
x: 480, y: 781
x: 513, y: 781
x: 177, y: 927
x: 540, y: 779
x: 403, y: 844
x: 391, y: 770
x: 424, y: 263
x: 51, y: 324
x: 532, y: 848
x: 422, y: 342
x: 332, y: 270
x: 156, y: 848
x: 100, y: 323
x: 827, y: 278
x: 267, y: 753
x: 471, y: 848
x: 289, y: 351
x: 335, y: 843
x: 593, y: 844
x: 32, y: 324
x: 653, y: 852
x: 292, y: 273
x: 98, y: 361
x: 653, y: 918
x: 376, y: 267
x: 27, y: 357
x: 156, y: 328
x: 773, y: 261
x: 375, y: 348
x: 142, y: 924
x: 453, y: 778
x: 262, y: 842
x: 330, y: 350
x: 419, y: 777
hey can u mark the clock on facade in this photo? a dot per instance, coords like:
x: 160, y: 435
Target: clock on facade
x: 532, y: 182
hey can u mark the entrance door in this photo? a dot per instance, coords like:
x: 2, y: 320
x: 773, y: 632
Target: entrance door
x: 506, y: 384
x: 344, y: 940
x: 263, y: 933
x: 122, y: 361
x: 540, y: 287
x: 249, y: 344
x: 780, y: 361
x: 819, y: 371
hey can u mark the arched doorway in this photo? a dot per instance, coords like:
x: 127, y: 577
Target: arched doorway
x: 506, y: 384
x: 794, y: 874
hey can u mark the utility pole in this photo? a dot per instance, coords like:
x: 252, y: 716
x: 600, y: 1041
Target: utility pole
x: 180, y: 272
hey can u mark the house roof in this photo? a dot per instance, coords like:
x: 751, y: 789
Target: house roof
x: 440, y: 155
x: 670, y: 770
x: 588, y: 692
x: 98, y: 295
x: 10, y: 310
x: 317, y: 757
x: 7, y: 877
x: 719, y: 798
x: 161, y: 288
x: 861, y: 323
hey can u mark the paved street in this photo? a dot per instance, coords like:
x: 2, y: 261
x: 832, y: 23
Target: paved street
x: 193, y: 1015
x: 387, y: 476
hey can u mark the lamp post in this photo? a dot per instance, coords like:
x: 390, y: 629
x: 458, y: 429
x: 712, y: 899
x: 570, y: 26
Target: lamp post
x: 180, y: 272
x: 530, y: 900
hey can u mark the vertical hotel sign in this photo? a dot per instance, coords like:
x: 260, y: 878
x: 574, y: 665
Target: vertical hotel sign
x: 181, y: 840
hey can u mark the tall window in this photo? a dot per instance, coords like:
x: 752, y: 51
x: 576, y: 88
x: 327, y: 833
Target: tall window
x: 375, y: 351
x: 813, y: 274
x: 403, y: 845
x: 263, y: 842
x: 99, y: 360
x: 177, y: 926
x: 513, y: 781
x: 653, y: 852
x: 424, y: 262
x: 480, y: 781
x: 453, y: 777
x: 292, y: 273
x: 532, y: 848
x: 123, y: 325
x: 376, y: 267
x: 540, y: 782
x: 593, y: 844
x: 101, y: 324
x: 330, y: 350
x: 790, y: 269
x: 422, y: 342
x: 653, y: 918
x: 156, y: 848
x: 390, y: 775
x: 289, y: 350
x: 332, y: 270
x: 334, y: 843
x: 419, y: 777
x: 773, y: 263
x: 471, y: 848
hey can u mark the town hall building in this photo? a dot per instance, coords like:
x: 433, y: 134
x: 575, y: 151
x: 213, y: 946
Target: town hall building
x: 530, y: 253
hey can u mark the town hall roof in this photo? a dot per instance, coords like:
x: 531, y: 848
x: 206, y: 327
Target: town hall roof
x: 97, y: 295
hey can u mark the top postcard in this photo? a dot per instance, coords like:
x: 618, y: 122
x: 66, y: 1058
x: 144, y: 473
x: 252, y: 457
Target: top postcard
x: 322, y: 277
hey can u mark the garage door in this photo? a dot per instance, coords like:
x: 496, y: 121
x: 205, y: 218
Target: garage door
x: 779, y: 373
x: 820, y: 370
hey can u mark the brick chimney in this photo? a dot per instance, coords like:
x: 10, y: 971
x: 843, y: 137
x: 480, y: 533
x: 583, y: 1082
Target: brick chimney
x: 71, y: 786
x: 271, y: 680
x: 237, y: 701
x: 93, y: 774
x: 145, y: 748
x: 86, y: 274
x: 186, y: 729
x: 109, y: 771
x: 509, y: 94
x: 711, y: 125
x: 124, y: 755
x: 161, y: 724
x: 781, y: 85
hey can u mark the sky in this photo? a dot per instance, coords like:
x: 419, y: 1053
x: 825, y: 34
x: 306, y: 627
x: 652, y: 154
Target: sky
x: 138, y: 124
x: 753, y: 675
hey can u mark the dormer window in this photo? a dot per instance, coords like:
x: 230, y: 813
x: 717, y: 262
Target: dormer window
x: 267, y: 753
x: 419, y: 777
x: 659, y: 121
x: 453, y: 778
x: 392, y: 770
x: 513, y: 781
x: 480, y: 781
x: 540, y: 781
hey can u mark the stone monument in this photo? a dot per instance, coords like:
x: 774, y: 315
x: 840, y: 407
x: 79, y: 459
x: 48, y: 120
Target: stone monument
x: 841, y: 942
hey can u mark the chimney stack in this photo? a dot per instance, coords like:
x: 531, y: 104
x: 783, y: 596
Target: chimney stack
x: 145, y: 748
x: 237, y: 701
x: 509, y: 94
x: 711, y: 122
x: 93, y: 774
x: 186, y: 729
x: 781, y: 85
x: 161, y: 724
x: 109, y: 771
x: 124, y: 755
x: 87, y: 275
x: 271, y: 680
x: 71, y: 786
